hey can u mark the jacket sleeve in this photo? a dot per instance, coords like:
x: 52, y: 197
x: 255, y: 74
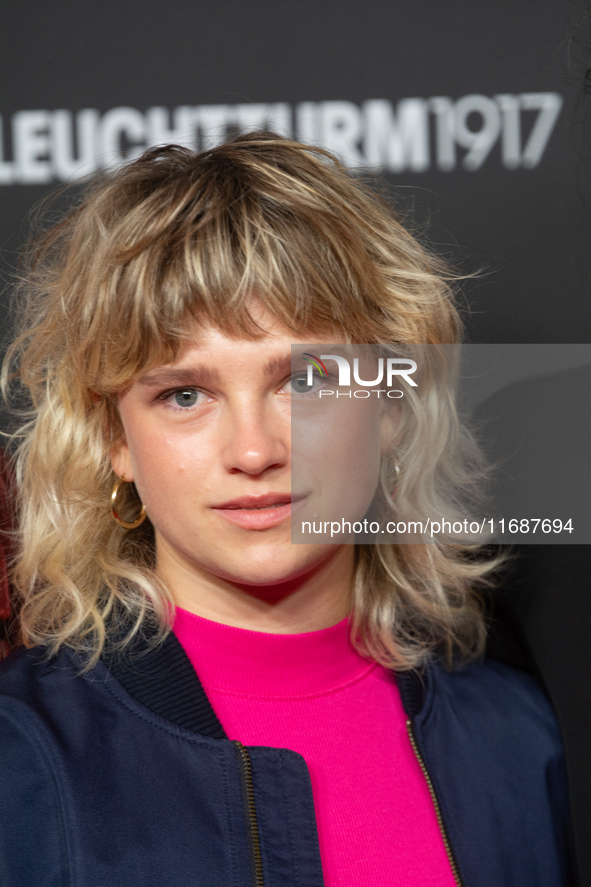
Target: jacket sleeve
x: 32, y: 836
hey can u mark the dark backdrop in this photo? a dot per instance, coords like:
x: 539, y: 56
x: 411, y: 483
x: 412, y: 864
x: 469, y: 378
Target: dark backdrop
x: 484, y: 157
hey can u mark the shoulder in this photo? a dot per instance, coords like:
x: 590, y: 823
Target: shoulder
x: 496, y: 722
x: 493, y: 697
x: 33, y: 848
x: 493, y: 748
x: 41, y: 693
x: 25, y: 682
x: 492, y: 686
x: 29, y: 674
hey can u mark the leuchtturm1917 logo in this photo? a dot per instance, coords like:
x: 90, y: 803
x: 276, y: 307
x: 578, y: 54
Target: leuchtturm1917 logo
x: 408, y: 135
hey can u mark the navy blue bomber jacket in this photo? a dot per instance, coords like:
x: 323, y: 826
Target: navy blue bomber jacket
x: 124, y: 776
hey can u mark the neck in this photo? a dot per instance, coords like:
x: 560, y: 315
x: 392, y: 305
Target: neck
x: 317, y: 599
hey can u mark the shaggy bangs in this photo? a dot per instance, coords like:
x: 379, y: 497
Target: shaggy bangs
x: 176, y: 240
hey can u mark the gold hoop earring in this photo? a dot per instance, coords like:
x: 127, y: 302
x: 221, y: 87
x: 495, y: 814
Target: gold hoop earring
x: 129, y: 525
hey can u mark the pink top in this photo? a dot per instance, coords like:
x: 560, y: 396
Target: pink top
x: 313, y: 693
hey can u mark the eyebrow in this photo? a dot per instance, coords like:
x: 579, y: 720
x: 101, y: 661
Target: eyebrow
x: 278, y: 365
x: 169, y: 376
x: 165, y: 376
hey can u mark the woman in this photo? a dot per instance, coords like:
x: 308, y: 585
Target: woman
x: 313, y: 716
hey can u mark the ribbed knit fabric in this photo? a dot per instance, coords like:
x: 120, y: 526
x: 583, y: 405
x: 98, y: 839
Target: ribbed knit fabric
x: 314, y: 694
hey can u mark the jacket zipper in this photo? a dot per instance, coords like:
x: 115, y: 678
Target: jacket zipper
x: 446, y: 842
x: 250, y: 814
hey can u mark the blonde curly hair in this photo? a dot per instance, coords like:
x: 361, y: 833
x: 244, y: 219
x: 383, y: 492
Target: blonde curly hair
x: 106, y: 296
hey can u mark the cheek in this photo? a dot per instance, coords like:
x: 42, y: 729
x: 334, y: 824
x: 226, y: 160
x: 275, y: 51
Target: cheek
x: 356, y: 458
x: 338, y: 459
x: 171, y: 471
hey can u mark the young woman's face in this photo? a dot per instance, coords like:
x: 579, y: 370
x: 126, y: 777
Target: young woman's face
x: 208, y: 445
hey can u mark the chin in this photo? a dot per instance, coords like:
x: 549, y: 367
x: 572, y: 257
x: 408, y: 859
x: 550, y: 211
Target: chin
x: 274, y: 567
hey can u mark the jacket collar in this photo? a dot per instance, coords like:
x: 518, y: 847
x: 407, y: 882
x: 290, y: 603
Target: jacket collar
x: 163, y: 679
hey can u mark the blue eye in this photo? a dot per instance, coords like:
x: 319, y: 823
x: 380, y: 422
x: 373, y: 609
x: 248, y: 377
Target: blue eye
x: 299, y: 383
x: 186, y: 397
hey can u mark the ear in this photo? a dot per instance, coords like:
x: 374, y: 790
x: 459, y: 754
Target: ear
x: 121, y: 461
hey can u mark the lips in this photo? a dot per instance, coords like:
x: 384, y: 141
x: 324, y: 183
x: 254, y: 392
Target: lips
x: 258, y: 512
x: 250, y: 502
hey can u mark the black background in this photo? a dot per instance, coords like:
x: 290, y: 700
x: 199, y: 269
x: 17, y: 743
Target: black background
x: 528, y: 228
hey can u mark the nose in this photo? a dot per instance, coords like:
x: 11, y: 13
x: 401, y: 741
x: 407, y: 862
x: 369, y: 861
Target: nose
x: 257, y: 439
